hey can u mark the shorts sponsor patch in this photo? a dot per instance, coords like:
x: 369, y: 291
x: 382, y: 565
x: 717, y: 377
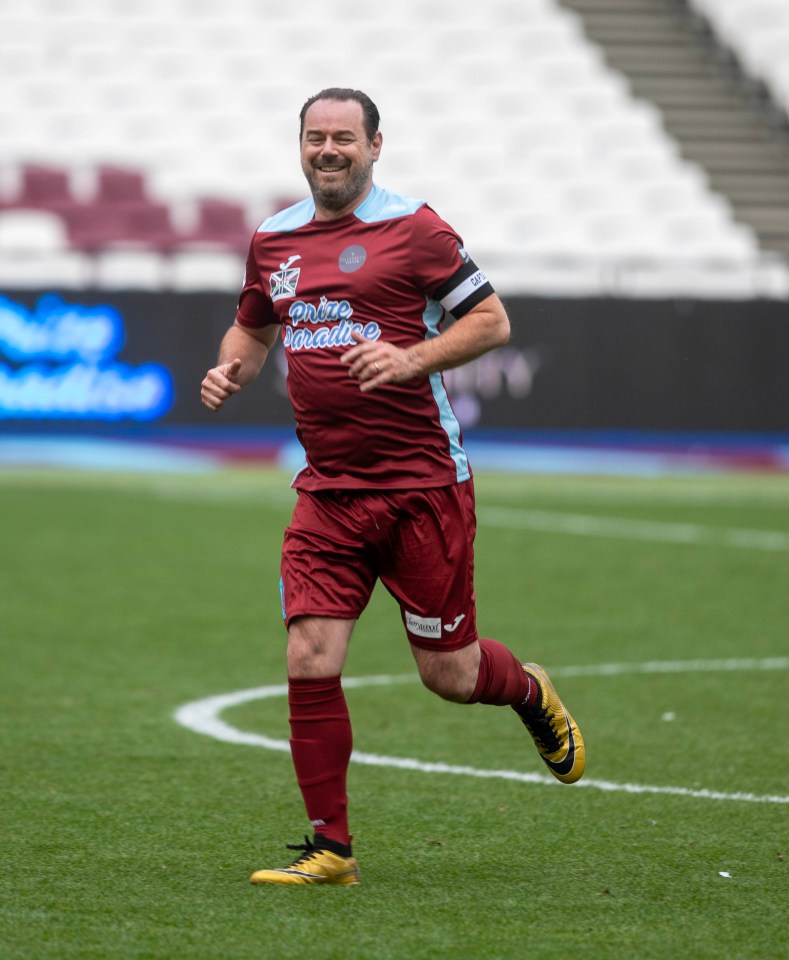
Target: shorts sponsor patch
x: 423, y: 626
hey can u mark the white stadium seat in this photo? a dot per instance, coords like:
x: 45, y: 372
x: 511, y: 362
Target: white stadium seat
x: 32, y: 231
x: 34, y: 252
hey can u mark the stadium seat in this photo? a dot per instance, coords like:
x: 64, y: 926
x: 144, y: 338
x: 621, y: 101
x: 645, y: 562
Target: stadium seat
x: 221, y: 225
x: 32, y: 231
x: 34, y: 252
x: 699, y: 234
x: 118, y: 185
x: 43, y: 187
x: 148, y: 225
x: 91, y: 227
x: 196, y: 270
x: 95, y: 226
x: 625, y: 236
x: 66, y: 270
x: 130, y: 270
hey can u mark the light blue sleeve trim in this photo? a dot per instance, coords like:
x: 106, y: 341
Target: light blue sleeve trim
x: 382, y: 204
x: 289, y: 219
x: 449, y: 422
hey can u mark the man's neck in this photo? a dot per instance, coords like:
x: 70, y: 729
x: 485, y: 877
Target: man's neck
x: 325, y: 213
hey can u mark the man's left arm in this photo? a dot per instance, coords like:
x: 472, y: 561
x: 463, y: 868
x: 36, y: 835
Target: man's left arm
x: 376, y: 362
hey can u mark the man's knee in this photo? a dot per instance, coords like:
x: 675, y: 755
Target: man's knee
x: 451, y: 675
x: 448, y: 688
x: 317, y: 646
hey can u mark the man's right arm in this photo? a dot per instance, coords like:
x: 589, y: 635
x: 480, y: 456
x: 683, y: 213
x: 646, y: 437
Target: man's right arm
x: 242, y: 353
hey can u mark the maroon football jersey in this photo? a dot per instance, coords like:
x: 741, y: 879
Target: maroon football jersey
x: 392, y: 269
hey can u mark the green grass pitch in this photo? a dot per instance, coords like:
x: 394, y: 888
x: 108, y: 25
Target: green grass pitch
x: 127, y: 835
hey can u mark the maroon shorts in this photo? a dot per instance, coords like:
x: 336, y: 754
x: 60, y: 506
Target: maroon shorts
x: 419, y: 543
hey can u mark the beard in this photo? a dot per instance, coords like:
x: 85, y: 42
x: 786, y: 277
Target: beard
x: 337, y: 196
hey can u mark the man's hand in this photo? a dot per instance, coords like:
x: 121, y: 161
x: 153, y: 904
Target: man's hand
x: 376, y: 362
x: 219, y: 384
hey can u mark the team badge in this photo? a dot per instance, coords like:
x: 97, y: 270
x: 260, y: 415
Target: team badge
x: 285, y: 280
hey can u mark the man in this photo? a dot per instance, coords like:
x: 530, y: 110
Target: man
x: 356, y: 282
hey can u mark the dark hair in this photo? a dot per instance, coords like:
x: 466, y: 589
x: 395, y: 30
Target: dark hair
x: 371, y: 116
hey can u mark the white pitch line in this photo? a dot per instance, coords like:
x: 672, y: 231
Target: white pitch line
x: 583, y: 525
x: 576, y: 524
x: 673, y: 666
x: 203, y: 716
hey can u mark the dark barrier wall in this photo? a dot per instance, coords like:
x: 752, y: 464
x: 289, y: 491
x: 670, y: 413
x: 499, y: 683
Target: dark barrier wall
x: 571, y: 364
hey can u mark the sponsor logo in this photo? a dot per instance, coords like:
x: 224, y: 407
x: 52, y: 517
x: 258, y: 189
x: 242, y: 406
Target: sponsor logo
x: 284, y: 282
x: 301, y: 312
x: 340, y: 335
x: 352, y: 258
x: 429, y: 627
x: 318, y: 332
x: 452, y: 627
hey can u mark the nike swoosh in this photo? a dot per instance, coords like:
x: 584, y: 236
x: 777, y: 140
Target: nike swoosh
x: 564, y: 766
x: 311, y: 876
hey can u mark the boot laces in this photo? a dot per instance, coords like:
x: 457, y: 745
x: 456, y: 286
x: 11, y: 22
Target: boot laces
x: 309, y: 848
x: 541, y: 725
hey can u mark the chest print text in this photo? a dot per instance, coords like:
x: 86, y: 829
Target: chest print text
x: 321, y: 331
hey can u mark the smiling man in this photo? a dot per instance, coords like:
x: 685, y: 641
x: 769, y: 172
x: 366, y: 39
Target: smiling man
x: 358, y: 282
x: 337, y: 160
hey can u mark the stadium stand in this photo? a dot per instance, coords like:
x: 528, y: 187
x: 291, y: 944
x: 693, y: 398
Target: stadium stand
x: 758, y: 34
x: 161, y: 132
x: 691, y: 58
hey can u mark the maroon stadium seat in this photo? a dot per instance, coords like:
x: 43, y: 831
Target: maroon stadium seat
x: 120, y: 185
x: 97, y: 226
x: 43, y: 188
x: 92, y: 226
x: 149, y: 225
x: 221, y: 224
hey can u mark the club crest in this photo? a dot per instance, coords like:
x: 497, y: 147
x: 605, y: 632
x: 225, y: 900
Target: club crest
x: 285, y: 280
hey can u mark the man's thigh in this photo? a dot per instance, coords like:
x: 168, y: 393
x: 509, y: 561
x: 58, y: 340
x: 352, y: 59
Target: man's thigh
x: 328, y: 568
x: 429, y: 568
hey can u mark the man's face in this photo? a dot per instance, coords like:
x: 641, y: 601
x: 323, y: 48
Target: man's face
x: 336, y: 156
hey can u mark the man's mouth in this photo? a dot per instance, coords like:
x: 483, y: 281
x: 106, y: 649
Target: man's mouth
x: 331, y: 167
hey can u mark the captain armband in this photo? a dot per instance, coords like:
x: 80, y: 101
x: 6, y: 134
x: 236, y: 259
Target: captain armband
x: 467, y: 287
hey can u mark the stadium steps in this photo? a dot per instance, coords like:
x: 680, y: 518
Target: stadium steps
x: 721, y: 121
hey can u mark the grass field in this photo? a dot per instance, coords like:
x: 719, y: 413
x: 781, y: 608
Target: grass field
x: 127, y: 835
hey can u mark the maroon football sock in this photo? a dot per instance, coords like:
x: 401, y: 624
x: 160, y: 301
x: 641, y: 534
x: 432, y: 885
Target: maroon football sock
x: 501, y: 680
x: 320, y: 744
